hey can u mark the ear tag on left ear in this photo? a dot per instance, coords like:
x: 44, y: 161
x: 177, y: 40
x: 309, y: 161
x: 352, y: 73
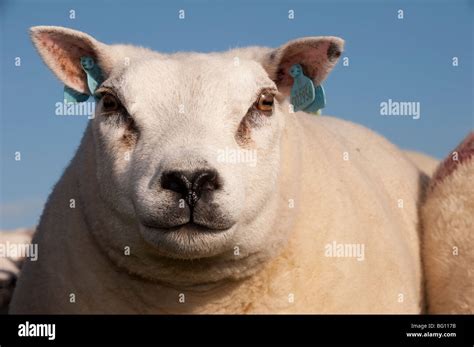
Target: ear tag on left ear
x: 304, y: 95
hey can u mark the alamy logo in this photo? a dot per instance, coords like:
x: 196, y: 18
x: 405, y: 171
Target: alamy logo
x: 37, y: 330
x: 19, y: 250
x: 237, y: 156
x: 86, y: 108
x: 345, y: 250
x: 400, y: 108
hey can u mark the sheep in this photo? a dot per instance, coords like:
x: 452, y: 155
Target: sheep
x: 425, y: 163
x: 12, y: 255
x: 448, y: 239
x: 147, y: 219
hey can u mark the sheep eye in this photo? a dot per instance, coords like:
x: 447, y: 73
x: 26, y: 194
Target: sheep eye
x: 265, y: 102
x: 110, y: 103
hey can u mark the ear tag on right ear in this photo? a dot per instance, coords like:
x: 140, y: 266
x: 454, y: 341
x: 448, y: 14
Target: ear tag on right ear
x: 94, y: 75
x: 304, y: 95
x: 71, y: 95
x: 94, y: 78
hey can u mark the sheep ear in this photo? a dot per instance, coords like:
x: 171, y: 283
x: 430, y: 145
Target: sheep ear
x: 62, y: 49
x: 317, y: 56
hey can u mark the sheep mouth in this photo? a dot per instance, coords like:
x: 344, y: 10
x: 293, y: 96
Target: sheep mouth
x: 188, y: 240
x: 187, y: 225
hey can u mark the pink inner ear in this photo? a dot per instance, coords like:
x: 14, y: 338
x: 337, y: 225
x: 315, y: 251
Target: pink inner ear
x: 313, y: 56
x: 62, y: 54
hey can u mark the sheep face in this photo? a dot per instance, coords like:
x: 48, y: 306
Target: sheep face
x: 186, y: 146
x: 190, y: 148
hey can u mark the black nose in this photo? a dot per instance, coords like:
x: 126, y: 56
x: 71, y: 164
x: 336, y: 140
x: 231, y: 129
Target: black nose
x: 190, y: 184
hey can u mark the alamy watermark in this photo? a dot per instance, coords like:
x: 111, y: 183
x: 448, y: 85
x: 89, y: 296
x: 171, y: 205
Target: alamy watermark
x: 19, y: 250
x: 237, y: 156
x: 86, y: 108
x: 400, y: 108
x: 345, y: 250
x: 28, y: 329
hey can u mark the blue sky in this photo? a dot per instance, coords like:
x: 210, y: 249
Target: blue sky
x: 389, y: 58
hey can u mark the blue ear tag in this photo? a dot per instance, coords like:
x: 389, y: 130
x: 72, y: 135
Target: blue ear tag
x: 71, y: 95
x: 94, y: 78
x: 304, y: 95
x: 94, y: 75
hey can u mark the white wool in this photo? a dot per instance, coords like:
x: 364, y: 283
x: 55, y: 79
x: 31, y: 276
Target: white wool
x: 317, y: 180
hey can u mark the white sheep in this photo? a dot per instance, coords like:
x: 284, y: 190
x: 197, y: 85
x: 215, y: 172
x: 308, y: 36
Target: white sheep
x: 13, y: 251
x: 323, y: 221
x: 448, y: 237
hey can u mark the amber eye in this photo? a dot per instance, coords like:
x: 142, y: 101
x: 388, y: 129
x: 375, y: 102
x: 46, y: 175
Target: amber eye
x: 110, y: 103
x: 265, y: 102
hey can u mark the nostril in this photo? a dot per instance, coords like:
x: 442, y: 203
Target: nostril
x: 190, y: 184
x: 205, y: 180
x: 175, y: 181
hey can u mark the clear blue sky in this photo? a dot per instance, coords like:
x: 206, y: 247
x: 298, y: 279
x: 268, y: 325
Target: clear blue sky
x: 404, y: 60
